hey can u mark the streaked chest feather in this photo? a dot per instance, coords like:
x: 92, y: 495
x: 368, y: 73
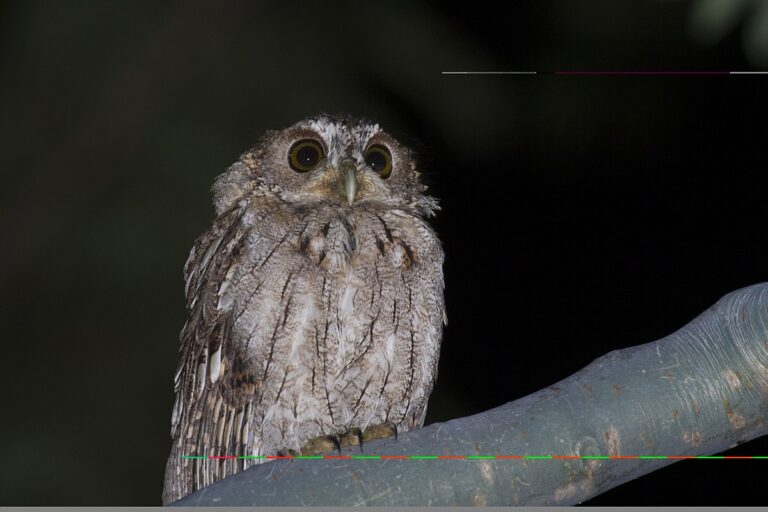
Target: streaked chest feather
x: 330, y: 295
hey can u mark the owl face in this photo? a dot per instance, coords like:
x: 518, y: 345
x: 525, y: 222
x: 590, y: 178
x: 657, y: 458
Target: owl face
x: 345, y: 162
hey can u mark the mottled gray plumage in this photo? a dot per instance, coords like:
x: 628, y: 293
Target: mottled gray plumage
x: 314, y: 300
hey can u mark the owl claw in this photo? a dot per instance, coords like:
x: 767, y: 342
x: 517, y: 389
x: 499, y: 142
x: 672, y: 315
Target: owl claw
x: 352, y: 437
x: 381, y: 431
x: 321, y: 444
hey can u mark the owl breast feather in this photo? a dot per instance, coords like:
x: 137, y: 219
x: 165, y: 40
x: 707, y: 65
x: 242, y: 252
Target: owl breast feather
x: 338, y: 315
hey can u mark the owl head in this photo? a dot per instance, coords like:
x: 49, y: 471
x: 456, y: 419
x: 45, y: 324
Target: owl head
x: 336, y: 160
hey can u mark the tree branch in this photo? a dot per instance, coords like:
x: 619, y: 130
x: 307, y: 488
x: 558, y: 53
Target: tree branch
x: 698, y: 391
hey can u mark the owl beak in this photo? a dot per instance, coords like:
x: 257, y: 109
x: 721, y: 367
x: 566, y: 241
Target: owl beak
x: 348, y: 181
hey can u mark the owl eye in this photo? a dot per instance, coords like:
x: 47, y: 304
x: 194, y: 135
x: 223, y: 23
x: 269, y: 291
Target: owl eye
x: 378, y: 158
x: 305, y: 155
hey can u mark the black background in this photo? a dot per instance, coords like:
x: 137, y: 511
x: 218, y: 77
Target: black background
x: 580, y: 214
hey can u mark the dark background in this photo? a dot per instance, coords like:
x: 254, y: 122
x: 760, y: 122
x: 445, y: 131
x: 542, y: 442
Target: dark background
x: 580, y: 214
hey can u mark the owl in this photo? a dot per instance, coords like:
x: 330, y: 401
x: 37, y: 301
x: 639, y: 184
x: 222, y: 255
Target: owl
x: 315, y: 303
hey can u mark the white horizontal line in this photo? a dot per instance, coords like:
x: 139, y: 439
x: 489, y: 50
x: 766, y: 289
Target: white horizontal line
x: 748, y: 72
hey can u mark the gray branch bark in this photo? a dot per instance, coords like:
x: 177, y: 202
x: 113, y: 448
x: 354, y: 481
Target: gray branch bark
x: 698, y: 391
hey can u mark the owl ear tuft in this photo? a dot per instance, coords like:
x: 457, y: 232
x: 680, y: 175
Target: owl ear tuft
x: 230, y: 186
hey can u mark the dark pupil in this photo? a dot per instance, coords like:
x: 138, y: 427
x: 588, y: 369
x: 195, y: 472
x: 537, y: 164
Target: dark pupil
x: 376, y: 160
x: 307, y: 156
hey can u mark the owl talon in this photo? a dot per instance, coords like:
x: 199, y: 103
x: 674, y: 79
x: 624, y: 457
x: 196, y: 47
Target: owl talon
x: 352, y: 437
x: 382, y: 431
x: 321, y: 444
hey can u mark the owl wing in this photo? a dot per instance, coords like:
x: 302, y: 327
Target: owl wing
x: 213, y: 393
